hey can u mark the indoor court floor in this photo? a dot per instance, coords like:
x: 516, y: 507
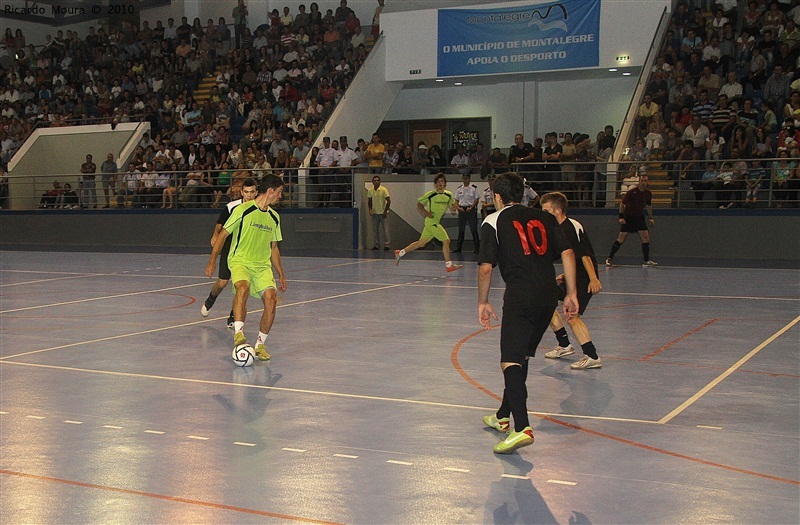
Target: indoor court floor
x: 119, y: 403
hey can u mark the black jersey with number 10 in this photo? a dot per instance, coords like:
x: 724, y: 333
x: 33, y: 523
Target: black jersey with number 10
x: 524, y: 242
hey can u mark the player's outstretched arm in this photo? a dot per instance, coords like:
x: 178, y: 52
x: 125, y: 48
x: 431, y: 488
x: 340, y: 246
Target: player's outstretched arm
x: 218, y: 244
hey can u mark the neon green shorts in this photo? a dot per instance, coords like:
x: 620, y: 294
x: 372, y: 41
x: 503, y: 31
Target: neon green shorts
x: 434, y: 231
x: 259, y: 277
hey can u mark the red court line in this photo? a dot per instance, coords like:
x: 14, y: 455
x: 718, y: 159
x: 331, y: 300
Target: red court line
x: 217, y: 506
x: 681, y: 338
x: 454, y: 360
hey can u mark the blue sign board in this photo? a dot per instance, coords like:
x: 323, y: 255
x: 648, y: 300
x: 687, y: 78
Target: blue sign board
x: 537, y: 37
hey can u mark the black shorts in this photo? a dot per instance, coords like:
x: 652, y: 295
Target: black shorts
x: 584, y: 295
x: 224, y: 271
x: 521, y: 332
x: 634, y: 224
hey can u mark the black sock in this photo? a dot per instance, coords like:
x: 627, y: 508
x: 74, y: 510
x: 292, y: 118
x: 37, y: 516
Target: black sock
x: 505, y: 409
x: 589, y: 349
x: 517, y: 396
x: 646, y: 251
x: 563, y: 338
x: 210, y: 300
x: 614, y: 248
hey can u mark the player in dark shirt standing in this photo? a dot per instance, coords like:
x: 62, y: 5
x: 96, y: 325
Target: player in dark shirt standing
x: 631, y: 219
x: 249, y: 192
x: 524, y: 242
x: 587, y: 284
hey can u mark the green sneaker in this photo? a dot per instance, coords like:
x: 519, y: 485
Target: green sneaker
x: 239, y: 339
x: 501, y: 425
x: 261, y: 352
x: 514, y: 441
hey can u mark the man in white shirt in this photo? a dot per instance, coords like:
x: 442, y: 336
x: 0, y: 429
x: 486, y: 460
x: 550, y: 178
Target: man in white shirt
x: 327, y: 159
x: 467, y: 198
x: 460, y: 162
x: 731, y: 89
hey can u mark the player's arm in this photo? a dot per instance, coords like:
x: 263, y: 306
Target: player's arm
x: 649, y: 208
x: 475, y: 204
x: 217, y: 229
x: 369, y: 206
x: 594, y: 282
x: 485, y: 310
x: 571, y: 298
x: 275, y: 259
x: 218, y: 244
x: 424, y: 212
x: 388, y: 203
x: 622, y: 212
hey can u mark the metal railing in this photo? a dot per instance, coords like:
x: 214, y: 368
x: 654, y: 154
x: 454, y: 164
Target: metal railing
x: 673, y: 183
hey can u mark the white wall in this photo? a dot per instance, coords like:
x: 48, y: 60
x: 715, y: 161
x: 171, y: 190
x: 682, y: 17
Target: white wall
x: 626, y: 28
x: 530, y: 108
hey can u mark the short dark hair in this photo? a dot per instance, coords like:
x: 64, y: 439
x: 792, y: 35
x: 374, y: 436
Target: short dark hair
x: 557, y: 199
x: 439, y: 176
x: 510, y: 187
x: 249, y: 181
x: 270, y: 181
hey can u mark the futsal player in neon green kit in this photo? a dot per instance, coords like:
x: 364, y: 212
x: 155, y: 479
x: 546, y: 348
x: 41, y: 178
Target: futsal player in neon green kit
x: 255, y: 230
x: 433, y: 205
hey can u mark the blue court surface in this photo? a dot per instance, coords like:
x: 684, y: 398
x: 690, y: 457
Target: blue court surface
x: 119, y: 403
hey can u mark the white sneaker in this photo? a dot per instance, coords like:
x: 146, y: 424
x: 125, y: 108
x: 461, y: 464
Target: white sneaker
x: 608, y: 262
x: 204, y: 311
x: 560, y: 351
x: 649, y: 263
x: 586, y: 363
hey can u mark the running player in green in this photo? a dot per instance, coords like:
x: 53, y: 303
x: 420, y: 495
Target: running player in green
x: 255, y: 230
x: 438, y: 201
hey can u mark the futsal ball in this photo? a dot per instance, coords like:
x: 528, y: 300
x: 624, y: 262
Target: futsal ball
x: 243, y: 355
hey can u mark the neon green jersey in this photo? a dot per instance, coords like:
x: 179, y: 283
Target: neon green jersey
x: 252, y: 233
x: 437, y: 203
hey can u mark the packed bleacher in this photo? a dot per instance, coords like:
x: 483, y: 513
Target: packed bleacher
x: 272, y: 87
x: 721, y: 108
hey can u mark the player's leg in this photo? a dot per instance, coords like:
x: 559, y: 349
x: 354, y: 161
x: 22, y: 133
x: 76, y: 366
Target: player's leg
x: 644, y: 235
x: 590, y: 358
x: 564, y: 347
x: 424, y: 239
x: 440, y: 234
x: 614, y: 247
x: 264, y: 284
x: 241, y: 284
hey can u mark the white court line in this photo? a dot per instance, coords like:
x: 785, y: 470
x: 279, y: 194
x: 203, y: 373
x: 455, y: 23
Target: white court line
x: 244, y: 444
x: 559, y: 482
x: 396, y: 462
x: 43, y: 271
x: 316, y: 392
x: 199, y: 438
x: 52, y: 279
x: 347, y: 456
x: 709, y: 426
x: 192, y: 323
x: 71, y: 422
x: 513, y: 476
x: 453, y: 469
x: 686, y: 404
x: 35, y: 417
x: 289, y: 449
x: 102, y: 298
x: 159, y: 432
x: 112, y: 427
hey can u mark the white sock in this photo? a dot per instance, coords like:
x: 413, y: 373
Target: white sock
x: 448, y: 264
x: 262, y: 338
x: 238, y: 326
x: 402, y: 253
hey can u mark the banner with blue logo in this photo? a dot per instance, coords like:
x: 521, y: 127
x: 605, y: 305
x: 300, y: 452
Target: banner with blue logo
x: 538, y: 37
